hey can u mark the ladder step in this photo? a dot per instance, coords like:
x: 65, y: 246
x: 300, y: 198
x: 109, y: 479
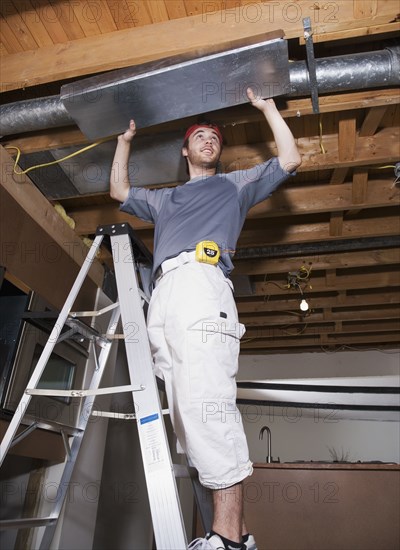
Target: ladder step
x: 168, y: 524
x: 28, y: 523
x: 83, y: 393
x: 120, y: 416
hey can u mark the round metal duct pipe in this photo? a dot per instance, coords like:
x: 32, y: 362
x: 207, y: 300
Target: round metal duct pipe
x: 32, y: 115
x: 348, y: 72
x: 334, y: 74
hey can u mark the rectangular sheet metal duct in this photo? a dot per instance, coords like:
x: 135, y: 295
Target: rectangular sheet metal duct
x: 159, y: 92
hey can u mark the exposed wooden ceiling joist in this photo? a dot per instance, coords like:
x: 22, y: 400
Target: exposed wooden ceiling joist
x: 343, y: 195
x: 122, y: 48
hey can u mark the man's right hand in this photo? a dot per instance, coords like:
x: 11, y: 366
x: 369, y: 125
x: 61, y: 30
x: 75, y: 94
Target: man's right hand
x: 129, y: 133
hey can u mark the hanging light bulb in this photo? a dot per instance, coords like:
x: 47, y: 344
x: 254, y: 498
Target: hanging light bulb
x: 304, y: 305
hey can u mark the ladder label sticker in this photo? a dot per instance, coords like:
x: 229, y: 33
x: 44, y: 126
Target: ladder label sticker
x: 150, y: 418
x: 152, y: 432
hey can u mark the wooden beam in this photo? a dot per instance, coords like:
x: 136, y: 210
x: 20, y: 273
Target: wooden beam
x: 372, y: 121
x: 292, y: 302
x: 290, y: 201
x: 297, y: 318
x: 313, y: 341
x: 351, y: 33
x: 346, y: 150
x: 369, y: 151
x: 274, y: 286
x: 337, y: 260
x: 264, y: 333
x: 309, y: 232
x: 336, y: 224
x: 37, y: 245
x: 338, y: 176
x: 360, y: 186
x: 128, y: 47
x: 347, y: 137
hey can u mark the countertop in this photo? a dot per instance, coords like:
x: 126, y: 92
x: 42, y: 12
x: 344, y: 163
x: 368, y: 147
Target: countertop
x: 320, y: 465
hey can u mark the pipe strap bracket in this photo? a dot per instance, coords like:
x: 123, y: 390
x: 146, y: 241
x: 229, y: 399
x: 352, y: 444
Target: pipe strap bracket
x: 311, y: 65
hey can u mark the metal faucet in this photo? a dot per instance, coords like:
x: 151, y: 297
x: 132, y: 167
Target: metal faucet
x: 269, y: 458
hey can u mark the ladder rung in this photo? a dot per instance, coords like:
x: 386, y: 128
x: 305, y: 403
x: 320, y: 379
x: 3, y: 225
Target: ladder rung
x: 120, y: 416
x: 50, y: 424
x: 95, y: 313
x: 83, y: 393
x: 28, y: 523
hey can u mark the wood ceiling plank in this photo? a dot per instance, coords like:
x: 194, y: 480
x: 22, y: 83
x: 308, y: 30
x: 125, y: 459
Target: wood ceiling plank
x: 104, y: 18
x: 86, y: 17
x: 49, y: 17
x: 123, y: 13
x: 195, y: 8
x: 142, y: 15
x: 173, y: 38
x: 33, y: 22
x: 9, y: 39
x: 68, y: 19
x: 176, y: 9
x: 18, y: 26
x: 157, y: 10
x: 3, y: 49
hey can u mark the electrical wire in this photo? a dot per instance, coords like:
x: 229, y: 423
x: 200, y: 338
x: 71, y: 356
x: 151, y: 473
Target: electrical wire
x: 71, y: 155
x: 321, y: 145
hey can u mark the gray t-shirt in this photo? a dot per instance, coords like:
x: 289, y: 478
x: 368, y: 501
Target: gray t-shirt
x: 210, y: 208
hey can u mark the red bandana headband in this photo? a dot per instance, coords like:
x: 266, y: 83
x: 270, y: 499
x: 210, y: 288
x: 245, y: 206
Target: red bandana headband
x: 193, y: 128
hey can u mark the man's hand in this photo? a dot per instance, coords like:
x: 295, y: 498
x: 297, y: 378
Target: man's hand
x: 119, y: 177
x: 129, y: 133
x: 258, y: 102
x: 288, y: 155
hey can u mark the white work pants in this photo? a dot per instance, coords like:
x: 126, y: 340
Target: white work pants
x: 194, y: 334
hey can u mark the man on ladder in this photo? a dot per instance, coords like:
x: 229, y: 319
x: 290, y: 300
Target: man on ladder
x: 192, y: 321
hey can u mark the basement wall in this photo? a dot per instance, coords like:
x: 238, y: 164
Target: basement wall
x: 320, y: 434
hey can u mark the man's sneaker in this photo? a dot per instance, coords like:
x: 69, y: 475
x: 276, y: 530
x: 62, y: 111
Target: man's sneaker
x: 251, y: 543
x: 213, y: 543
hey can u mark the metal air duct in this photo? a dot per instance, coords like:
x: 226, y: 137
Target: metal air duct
x: 334, y: 74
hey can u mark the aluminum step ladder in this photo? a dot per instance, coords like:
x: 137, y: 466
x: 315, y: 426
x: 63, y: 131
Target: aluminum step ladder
x: 129, y: 258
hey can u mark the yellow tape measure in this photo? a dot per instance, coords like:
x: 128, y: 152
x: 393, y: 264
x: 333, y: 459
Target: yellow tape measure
x: 207, y: 252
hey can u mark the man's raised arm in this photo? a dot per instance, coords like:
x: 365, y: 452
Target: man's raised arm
x: 288, y: 154
x: 119, y: 178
